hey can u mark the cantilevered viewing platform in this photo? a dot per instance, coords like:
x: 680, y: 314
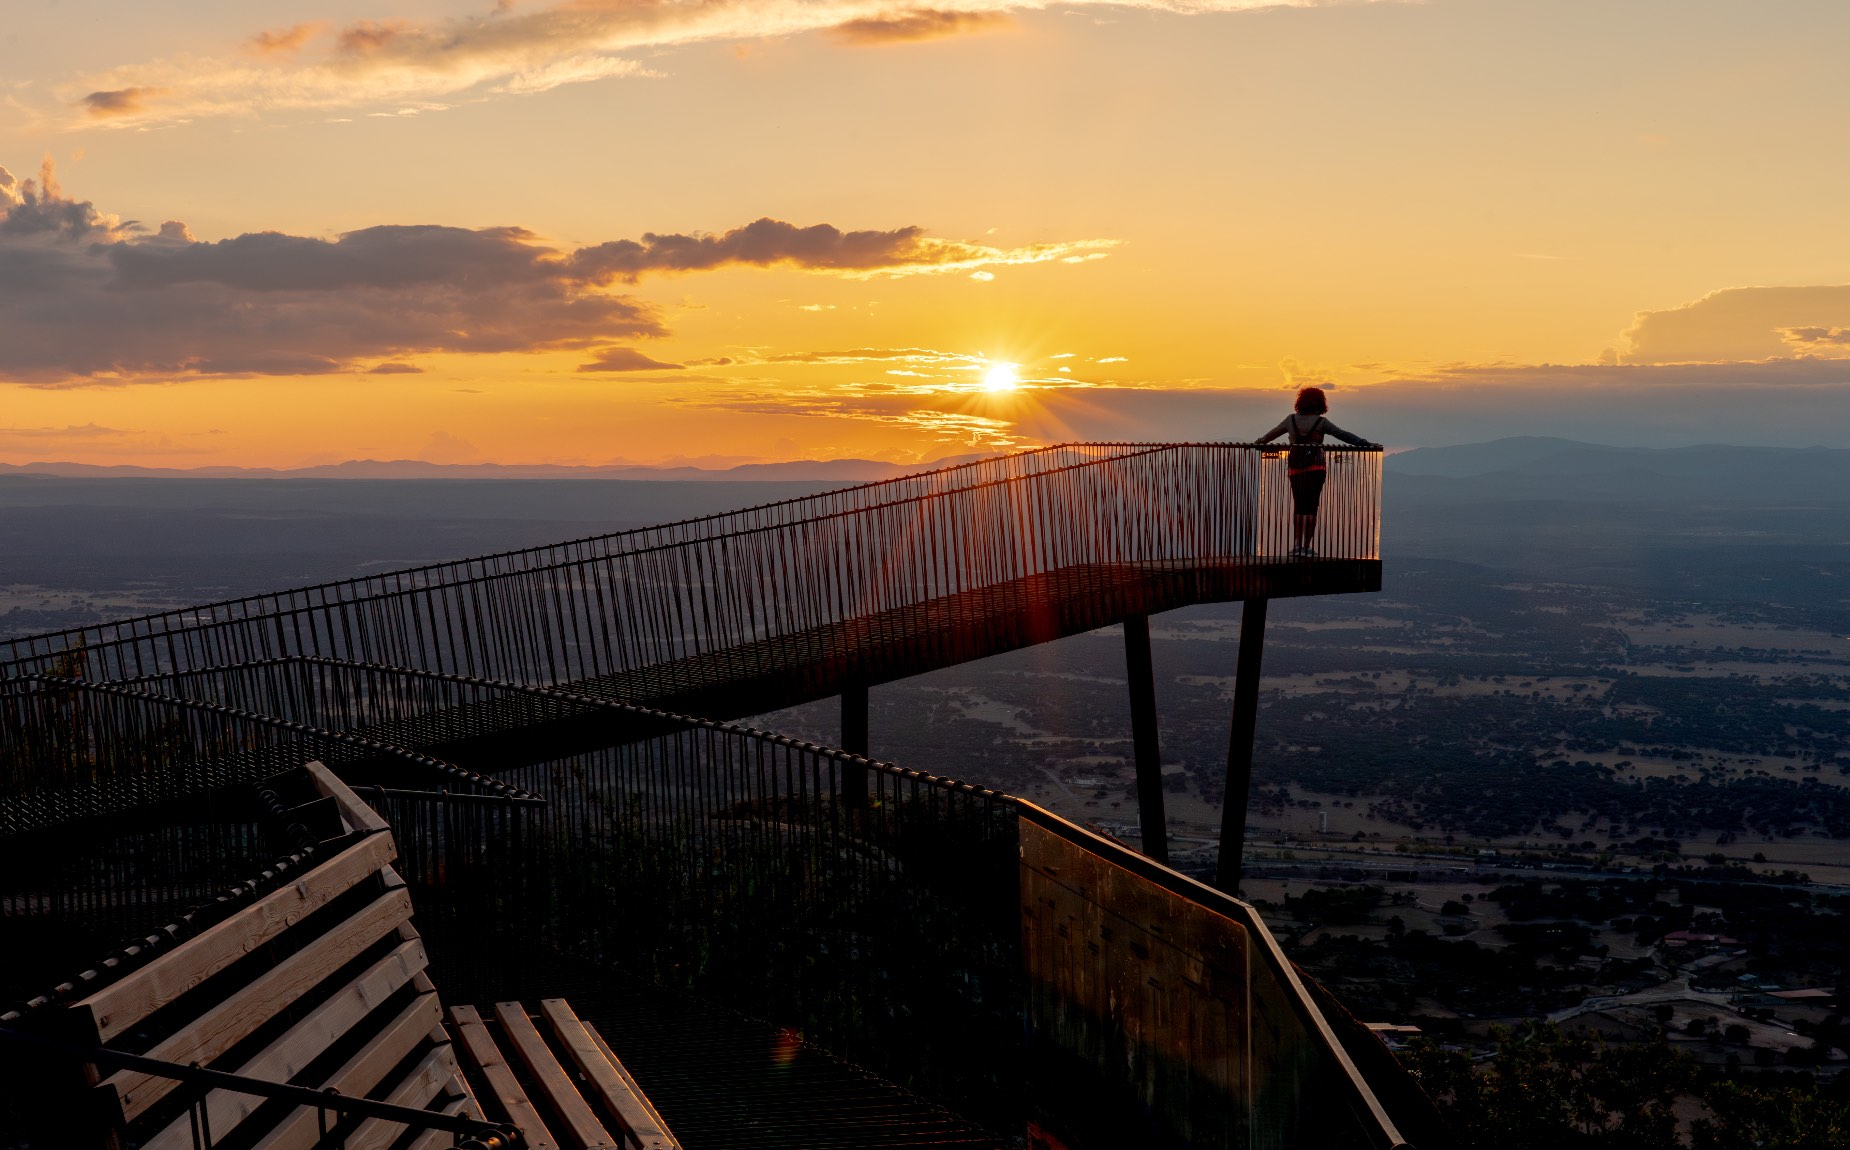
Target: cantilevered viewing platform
x: 676, y: 930
x: 826, y: 595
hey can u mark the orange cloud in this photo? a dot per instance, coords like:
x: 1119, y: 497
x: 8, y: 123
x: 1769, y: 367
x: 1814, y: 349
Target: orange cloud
x: 821, y: 247
x: 948, y: 421
x: 918, y: 24
x: 516, y: 51
x: 367, y: 37
x: 285, y: 40
x: 626, y: 359
x: 120, y: 102
x: 1816, y: 340
x: 1742, y: 323
x: 915, y: 355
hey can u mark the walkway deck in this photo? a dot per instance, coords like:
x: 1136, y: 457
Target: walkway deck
x: 819, y: 662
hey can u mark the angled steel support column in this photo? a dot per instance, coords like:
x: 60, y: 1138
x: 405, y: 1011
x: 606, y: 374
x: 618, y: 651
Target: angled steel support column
x: 1240, y: 745
x: 854, y: 741
x: 1141, y: 672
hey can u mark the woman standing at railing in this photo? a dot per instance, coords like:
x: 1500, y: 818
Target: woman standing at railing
x: 1304, y: 465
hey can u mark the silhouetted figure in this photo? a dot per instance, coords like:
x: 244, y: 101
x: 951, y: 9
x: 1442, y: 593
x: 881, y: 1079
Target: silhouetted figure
x: 1307, y: 425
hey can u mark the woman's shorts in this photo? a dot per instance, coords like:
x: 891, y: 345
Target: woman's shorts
x: 1307, y: 491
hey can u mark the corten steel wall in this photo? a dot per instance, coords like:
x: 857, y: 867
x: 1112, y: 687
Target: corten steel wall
x: 618, y: 603
x: 1162, y: 1013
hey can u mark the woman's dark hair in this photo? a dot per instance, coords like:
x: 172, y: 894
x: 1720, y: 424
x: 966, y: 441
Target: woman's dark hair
x: 1311, y: 401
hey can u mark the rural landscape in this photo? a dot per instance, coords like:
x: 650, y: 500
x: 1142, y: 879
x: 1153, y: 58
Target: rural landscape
x: 1599, y: 777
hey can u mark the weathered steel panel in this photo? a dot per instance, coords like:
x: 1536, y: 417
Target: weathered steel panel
x: 1138, y: 1013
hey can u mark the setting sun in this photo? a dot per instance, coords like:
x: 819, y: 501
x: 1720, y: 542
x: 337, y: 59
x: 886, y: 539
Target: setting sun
x: 1001, y: 377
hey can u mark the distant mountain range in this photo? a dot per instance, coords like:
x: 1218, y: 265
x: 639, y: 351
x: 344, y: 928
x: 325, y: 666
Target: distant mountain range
x: 1535, y: 467
x: 1521, y: 467
x: 801, y: 471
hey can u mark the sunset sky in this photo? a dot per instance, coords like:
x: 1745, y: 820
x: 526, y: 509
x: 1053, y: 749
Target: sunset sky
x: 296, y: 232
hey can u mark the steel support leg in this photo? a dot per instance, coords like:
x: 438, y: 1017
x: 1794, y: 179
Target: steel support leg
x: 1141, y: 672
x: 854, y: 741
x: 1240, y: 745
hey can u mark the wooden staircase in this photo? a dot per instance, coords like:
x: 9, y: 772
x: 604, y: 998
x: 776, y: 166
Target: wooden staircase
x: 312, y: 975
x: 553, y: 1075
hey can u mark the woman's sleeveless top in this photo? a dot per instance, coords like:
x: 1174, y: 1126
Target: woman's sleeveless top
x: 1306, y: 453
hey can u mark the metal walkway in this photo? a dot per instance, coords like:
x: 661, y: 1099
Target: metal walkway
x: 759, y: 609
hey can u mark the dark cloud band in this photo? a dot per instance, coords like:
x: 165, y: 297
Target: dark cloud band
x: 84, y: 296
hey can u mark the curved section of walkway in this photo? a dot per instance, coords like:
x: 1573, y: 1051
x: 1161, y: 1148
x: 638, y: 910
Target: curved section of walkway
x: 763, y: 608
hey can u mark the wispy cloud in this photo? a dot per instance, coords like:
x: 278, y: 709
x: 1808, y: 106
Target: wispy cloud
x: 819, y: 247
x: 963, y: 426
x: 1816, y: 340
x: 280, y: 41
x: 118, y: 102
x: 915, y: 355
x: 1298, y: 375
x: 514, y: 51
x: 918, y: 24
x: 84, y: 431
x: 626, y: 359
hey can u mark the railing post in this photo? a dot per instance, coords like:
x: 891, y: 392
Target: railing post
x: 854, y: 740
x: 1240, y: 746
x: 1140, y: 671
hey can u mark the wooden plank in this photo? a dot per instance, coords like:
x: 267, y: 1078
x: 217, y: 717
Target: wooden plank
x: 362, y: 1073
x: 416, y: 1089
x: 302, y: 1043
x: 354, y: 810
x: 478, y: 1047
x: 440, y: 1036
x: 668, y: 1140
x: 298, y: 1129
x: 442, y: 1139
x: 124, y: 1003
x: 231, y: 1021
x: 639, y: 1119
x: 570, y: 1105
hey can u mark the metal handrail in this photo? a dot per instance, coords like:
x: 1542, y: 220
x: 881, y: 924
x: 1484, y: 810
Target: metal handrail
x: 480, y: 1135
x: 138, y: 692
x: 149, y: 773
x: 563, y: 600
